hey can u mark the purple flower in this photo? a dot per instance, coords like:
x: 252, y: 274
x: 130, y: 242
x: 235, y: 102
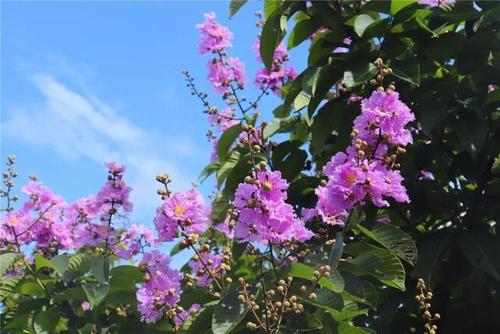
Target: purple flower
x: 347, y: 41
x: 366, y: 171
x: 85, y: 306
x: 181, y: 211
x: 279, y: 73
x: 435, y: 3
x: 222, y: 120
x: 264, y: 216
x: 426, y: 175
x: 214, y: 37
x: 384, y: 115
x: 221, y: 73
x: 213, y: 262
x: 161, y: 291
x: 180, y: 318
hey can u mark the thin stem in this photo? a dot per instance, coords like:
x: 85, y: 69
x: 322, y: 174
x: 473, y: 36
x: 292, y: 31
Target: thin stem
x: 111, y: 212
x: 36, y: 220
x: 272, y: 261
x: 184, y: 234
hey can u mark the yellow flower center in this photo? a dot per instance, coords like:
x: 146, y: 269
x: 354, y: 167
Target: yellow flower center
x: 351, y: 178
x: 14, y: 220
x: 179, y: 210
x: 267, y: 186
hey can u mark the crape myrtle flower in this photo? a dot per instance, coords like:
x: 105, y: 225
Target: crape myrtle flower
x: 160, y: 293
x: 207, y: 265
x: 213, y: 36
x: 263, y: 214
x: 223, y: 71
x: 279, y: 73
x: 436, y: 3
x: 181, y: 212
x: 367, y: 171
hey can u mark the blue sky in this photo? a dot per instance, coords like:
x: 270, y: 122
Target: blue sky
x: 87, y: 82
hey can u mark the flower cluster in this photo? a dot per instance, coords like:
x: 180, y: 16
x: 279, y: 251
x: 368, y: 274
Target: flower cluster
x: 263, y: 214
x: 279, y: 73
x: 40, y: 220
x: 51, y: 225
x: 161, y: 291
x: 181, y: 213
x: 223, y: 71
x: 368, y: 169
x: 207, y: 266
x: 436, y: 3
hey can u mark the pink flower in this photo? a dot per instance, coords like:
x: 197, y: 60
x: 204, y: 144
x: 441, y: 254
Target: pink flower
x: 181, y: 212
x: 264, y: 216
x: 383, y: 114
x: 85, y: 306
x: 213, y: 262
x: 426, y: 175
x: 162, y: 289
x: 347, y: 41
x: 221, y: 73
x: 222, y: 120
x: 279, y: 73
x: 180, y: 318
x: 435, y: 3
x: 363, y: 173
x: 214, y: 37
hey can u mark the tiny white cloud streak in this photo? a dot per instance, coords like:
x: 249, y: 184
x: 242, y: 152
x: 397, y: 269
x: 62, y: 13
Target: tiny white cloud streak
x: 77, y: 126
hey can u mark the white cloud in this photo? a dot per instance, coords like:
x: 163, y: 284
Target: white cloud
x: 77, y: 125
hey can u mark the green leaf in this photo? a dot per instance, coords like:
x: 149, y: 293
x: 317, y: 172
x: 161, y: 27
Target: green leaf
x: 292, y: 164
x: 334, y: 283
x: 48, y: 319
x: 176, y: 249
x: 301, y: 101
x: 301, y: 32
x: 337, y: 250
x: 41, y: 262
x: 235, y: 6
x: 8, y: 285
x: 60, y: 263
x: 359, y: 74
x: 209, y: 170
x: 220, y: 206
x: 361, y: 23
x: 79, y: 262
x: 378, y: 262
x: 356, y: 216
x: 226, y: 140
x: 359, y: 291
x: 393, y: 239
x: 346, y: 328
x: 7, y: 260
x: 125, y: 277
x: 100, y: 268
x: 95, y: 292
x: 407, y: 70
x: 228, y: 313
x: 397, y: 5
x: 228, y: 166
x: 323, y: 125
x: 270, y: 6
x: 200, y: 322
x: 31, y: 289
x: 482, y: 250
x: 350, y: 311
x: 272, y: 34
